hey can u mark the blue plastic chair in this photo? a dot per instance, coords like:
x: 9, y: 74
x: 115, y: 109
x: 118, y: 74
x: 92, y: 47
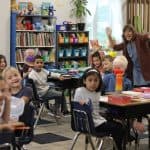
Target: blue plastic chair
x: 82, y: 123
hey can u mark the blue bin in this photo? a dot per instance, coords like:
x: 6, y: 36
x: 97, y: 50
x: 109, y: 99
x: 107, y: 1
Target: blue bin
x: 61, y: 53
x: 68, y: 52
x: 76, y: 52
x: 83, y: 52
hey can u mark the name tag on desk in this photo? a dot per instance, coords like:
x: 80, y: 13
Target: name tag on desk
x: 103, y: 99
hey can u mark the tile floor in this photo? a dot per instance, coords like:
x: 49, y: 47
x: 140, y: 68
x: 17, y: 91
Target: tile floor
x: 64, y: 129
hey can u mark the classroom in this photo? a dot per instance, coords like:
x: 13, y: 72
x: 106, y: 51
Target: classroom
x: 74, y: 75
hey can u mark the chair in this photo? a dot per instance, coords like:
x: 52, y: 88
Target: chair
x: 37, y: 101
x: 82, y: 123
x: 24, y: 135
x: 5, y: 146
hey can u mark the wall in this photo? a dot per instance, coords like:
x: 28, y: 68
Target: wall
x: 5, y: 28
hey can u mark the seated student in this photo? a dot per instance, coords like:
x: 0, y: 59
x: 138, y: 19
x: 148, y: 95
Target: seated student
x: 13, y: 78
x: 107, y: 64
x: 120, y: 62
x: 5, y: 127
x: 3, y: 64
x: 109, y: 80
x: 39, y: 76
x: 96, y: 61
x: 90, y: 92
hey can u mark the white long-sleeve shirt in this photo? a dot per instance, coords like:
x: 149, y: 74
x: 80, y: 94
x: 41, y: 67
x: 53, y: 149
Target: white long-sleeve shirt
x: 40, y: 80
x: 83, y: 94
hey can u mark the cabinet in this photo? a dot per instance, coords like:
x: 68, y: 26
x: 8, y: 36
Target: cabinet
x: 32, y: 32
x: 72, y: 48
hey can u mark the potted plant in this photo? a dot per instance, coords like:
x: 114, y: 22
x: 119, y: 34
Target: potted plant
x: 79, y: 11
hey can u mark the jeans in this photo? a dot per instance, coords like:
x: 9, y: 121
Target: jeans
x: 116, y: 130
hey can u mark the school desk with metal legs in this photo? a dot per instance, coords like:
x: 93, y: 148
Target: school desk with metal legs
x: 131, y: 110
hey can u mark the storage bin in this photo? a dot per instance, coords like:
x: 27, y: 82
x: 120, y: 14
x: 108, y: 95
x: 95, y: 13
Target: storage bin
x: 61, y: 53
x: 83, y: 52
x: 68, y: 52
x: 61, y: 27
x: 76, y: 52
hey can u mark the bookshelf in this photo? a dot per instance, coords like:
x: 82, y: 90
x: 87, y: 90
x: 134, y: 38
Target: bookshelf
x: 32, y: 32
x: 72, y: 48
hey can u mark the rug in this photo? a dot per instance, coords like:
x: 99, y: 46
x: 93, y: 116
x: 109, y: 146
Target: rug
x: 49, y: 138
x: 43, y: 121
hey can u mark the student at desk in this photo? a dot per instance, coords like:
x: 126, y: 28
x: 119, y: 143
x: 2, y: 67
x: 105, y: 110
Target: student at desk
x: 109, y: 80
x: 89, y: 93
x: 39, y: 76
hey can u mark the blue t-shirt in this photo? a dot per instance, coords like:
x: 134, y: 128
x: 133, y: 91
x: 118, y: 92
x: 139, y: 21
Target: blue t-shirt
x: 25, y: 91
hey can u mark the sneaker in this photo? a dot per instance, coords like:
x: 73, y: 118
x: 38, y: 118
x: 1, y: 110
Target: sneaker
x: 66, y: 113
x: 51, y: 114
x: 58, y: 116
x: 24, y: 147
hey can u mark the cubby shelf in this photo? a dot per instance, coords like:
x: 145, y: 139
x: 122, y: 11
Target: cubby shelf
x: 72, y: 48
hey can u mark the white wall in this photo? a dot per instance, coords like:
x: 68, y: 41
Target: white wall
x: 5, y: 28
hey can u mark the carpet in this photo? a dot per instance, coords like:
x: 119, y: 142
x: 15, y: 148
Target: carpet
x: 43, y: 121
x: 49, y: 138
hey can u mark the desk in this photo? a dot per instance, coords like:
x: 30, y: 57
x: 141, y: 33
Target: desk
x: 69, y: 83
x: 131, y: 109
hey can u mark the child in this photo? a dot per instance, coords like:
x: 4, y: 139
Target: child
x: 5, y: 127
x: 107, y: 64
x: 3, y: 63
x: 13, y: 78
x: 92, y: 83
x: 109, y: 80
x: 39, y: 76
x: 96, y: 61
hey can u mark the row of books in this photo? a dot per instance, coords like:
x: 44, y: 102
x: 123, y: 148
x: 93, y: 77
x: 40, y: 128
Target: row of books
x: 34, y: 39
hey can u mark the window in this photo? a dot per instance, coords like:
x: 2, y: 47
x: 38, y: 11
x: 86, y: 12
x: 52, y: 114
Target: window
x: 104, y: 13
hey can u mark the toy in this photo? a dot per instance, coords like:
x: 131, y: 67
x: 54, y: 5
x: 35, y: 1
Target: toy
x: 51, y: 11
x: 38, y: 26
x: 30, y: 8
x: 29, y: 57
x: 19, y: 24
x: 14, y: 6
x: 28, y: 25
x: 48, y: 28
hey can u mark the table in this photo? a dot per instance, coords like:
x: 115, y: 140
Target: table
x: 131, y: 109
x: 69, y: 83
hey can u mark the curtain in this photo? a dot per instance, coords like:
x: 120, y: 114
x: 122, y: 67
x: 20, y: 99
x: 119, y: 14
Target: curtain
x: 105, y: 13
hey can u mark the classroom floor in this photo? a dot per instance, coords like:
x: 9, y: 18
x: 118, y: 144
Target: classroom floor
x: 50, y: 135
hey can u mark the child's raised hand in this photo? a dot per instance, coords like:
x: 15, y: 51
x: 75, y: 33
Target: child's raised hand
x: 108, y: 31
x: 61, y: 78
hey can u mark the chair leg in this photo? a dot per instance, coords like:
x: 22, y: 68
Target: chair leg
x: 91, y: 142
x: 74, y: 140
x: 38, y: 116
x: 86, y: 142
x: 149, y: 132
x: 100, y: 144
